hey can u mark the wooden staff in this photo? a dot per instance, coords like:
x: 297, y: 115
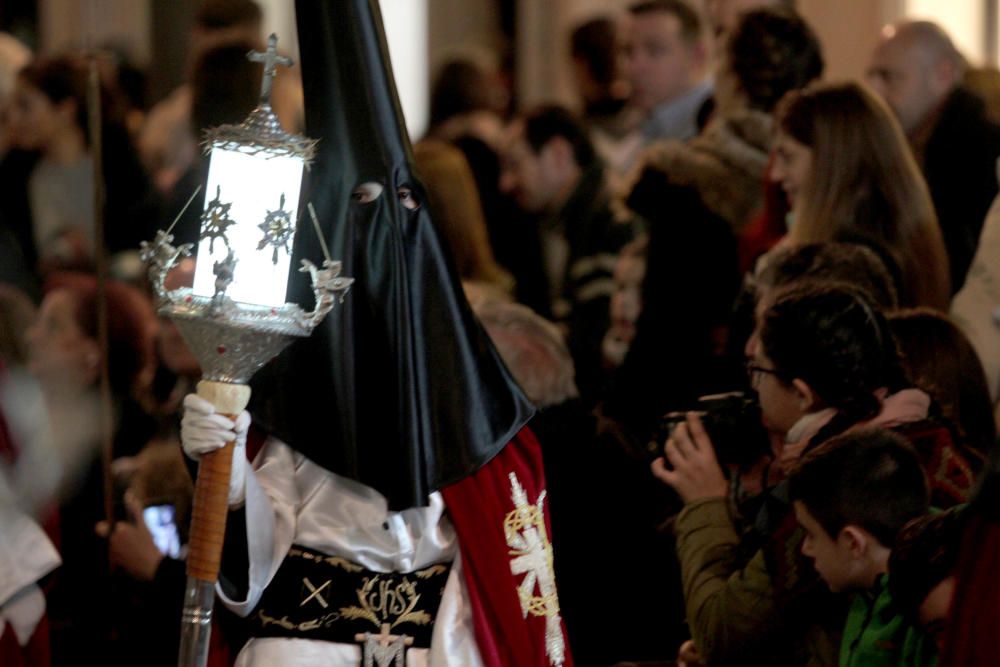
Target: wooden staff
x: 208, y: 529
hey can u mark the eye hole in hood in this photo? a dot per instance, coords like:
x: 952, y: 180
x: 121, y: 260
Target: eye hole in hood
x: 407, y: 198
x: 367, y: 192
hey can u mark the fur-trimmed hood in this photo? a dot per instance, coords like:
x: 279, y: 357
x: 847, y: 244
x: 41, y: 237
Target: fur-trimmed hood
x: 725, y: 163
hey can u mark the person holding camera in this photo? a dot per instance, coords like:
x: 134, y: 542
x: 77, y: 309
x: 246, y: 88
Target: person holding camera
x: 825, y: 363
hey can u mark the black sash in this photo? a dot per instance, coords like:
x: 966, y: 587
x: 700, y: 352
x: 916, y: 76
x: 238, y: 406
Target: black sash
x: 315, y: 596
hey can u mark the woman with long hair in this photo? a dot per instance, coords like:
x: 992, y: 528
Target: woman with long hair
x: 65, y: 356
x: 458, y: 214
x: 847, y: 171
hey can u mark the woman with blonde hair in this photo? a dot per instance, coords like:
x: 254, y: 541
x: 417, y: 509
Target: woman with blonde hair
x: 458, y: 214
x: 844, y: 164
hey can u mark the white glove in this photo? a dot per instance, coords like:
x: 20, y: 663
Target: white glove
x: 203, y: 430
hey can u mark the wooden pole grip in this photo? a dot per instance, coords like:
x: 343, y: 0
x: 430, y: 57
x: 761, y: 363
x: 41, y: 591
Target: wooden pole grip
x: 211, y: 491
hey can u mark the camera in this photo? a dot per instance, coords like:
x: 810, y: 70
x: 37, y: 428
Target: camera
x: 732, y: 422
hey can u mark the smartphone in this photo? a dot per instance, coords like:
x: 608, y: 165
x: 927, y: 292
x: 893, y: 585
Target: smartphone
x: 162, y: 523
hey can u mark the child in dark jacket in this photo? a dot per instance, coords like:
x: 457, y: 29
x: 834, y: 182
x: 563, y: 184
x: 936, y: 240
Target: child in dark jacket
x: 852, y: 495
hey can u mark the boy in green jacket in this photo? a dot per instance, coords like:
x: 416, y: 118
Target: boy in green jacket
x: 852, y: 495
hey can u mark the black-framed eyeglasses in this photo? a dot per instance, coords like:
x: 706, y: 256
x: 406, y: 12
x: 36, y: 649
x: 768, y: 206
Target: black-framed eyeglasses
x: 754, y: 372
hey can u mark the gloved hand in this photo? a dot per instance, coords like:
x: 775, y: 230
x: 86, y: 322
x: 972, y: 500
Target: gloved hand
x: 203, y: 430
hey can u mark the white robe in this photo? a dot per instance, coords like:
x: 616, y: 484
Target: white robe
x: 26, y: 555
x: 290, y: 499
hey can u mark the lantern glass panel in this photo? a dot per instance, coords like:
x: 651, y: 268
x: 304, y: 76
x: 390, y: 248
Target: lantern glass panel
x: 244, y: 192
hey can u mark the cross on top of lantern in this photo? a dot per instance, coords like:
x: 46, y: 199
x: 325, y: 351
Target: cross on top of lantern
x: 244, y: 252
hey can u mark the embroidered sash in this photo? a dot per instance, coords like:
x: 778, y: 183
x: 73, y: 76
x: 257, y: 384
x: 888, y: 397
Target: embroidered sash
x: 316, y: 596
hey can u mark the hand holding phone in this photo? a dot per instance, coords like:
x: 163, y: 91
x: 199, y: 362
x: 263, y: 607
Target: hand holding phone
x: 131, y: 545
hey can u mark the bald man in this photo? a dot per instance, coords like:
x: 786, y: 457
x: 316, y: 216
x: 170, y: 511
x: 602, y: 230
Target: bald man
x: 918, y: 71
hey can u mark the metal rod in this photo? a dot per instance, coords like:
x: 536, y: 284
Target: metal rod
x: 190, y: 199
x: 319, y: 233
x: 196, y: 622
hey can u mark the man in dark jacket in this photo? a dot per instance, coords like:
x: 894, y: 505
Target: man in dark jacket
x: 917, y: 71
x: 551, y: 169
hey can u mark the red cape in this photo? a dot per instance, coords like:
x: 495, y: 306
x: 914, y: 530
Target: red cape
x: 503, y: 527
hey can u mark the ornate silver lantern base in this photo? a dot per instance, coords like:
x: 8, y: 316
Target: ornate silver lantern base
x: 231, y: 341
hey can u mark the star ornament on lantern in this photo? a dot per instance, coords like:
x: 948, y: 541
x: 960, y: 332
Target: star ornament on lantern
x: 215, y: 221
x: 278, y: 230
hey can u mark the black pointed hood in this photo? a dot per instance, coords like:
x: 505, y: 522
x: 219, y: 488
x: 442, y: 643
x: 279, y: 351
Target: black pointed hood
x: 399, y: 387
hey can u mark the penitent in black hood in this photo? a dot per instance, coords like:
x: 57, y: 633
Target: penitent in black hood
x: 399, y: 387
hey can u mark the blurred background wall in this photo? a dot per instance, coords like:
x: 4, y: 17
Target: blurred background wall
x: 527, y: 38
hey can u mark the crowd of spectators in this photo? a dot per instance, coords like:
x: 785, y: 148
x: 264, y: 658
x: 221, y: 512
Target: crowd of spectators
x: 756, y: 310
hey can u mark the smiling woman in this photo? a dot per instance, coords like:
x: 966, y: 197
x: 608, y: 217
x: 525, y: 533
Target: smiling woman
x: 843, y: 161
x: 791, y: 166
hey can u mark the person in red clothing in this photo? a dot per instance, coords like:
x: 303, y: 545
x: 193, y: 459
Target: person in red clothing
x: 972, y: 636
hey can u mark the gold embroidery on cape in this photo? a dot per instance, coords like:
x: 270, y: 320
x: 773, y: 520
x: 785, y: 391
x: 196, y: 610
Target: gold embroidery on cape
x: 531, y: 555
